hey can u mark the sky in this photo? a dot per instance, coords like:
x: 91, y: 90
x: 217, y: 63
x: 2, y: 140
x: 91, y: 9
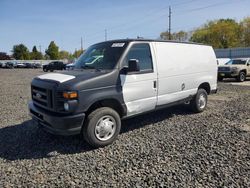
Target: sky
x: 38, y: 22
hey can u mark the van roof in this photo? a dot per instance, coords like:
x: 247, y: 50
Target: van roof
x: 153, y: 40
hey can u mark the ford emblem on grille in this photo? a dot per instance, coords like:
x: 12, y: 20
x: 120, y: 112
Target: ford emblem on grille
x: 38, y: 95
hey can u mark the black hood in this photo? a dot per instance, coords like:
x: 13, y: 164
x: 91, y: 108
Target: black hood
x: 90, y: 79
x: 81, y: 75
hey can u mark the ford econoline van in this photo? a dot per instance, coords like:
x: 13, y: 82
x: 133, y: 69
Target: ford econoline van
x: 118, y: 79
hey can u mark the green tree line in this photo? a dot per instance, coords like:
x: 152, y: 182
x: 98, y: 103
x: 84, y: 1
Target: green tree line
x: 222, y: 33
x: 21, y: 52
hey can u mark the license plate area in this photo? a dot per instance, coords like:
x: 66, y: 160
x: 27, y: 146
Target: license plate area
x: 37, y: 115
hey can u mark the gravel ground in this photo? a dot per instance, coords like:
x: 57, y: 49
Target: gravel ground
x: 172, y: 147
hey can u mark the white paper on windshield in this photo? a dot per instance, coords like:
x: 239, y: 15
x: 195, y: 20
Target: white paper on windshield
x: 117, y: 45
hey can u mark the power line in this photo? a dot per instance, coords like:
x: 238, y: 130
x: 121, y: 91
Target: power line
x: 209, y: 6
x: 149, y: 17
x: 142, y: 19
x: 197, y: 9
x: 135, y: 23
x: 182, y: 3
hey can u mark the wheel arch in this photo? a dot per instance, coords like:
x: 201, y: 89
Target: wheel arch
x: 206, y: 86
x: 244, y: 70
x: 108, y: 102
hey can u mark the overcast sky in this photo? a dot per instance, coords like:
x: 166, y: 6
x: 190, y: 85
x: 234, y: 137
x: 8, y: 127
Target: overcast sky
x: 37, y: 22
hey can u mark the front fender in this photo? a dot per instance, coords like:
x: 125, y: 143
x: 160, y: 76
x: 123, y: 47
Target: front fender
x: 88, y: 97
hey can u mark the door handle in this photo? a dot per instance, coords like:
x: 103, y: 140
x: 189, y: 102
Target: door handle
x: 154, y: 83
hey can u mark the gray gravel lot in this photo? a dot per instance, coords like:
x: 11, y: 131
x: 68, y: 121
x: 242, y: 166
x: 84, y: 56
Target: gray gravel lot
x: 172, y: 147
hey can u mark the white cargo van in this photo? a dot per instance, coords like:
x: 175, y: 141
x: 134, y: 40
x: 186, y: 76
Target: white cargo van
x: 129, y: 77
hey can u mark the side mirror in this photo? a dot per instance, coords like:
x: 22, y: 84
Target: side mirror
x: 248, y: 64
x: 133, y: 65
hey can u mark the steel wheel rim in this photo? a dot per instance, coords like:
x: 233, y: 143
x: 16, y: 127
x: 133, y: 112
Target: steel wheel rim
x: 202, y: 101
x: 242, y: 77
x: 105, y: 128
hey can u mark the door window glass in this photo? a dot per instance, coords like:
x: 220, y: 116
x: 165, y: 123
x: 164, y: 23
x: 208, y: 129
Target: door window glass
x: 142, y: 53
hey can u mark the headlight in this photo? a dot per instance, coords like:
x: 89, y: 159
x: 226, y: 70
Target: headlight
x: 66, y: 106
x: 234, y: 68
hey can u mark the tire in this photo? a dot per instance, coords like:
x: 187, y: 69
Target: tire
x: 45, y: 70
x: 51, y: 70
x: 94, y: 131
x: 199, y: 102
x: 241, y: 77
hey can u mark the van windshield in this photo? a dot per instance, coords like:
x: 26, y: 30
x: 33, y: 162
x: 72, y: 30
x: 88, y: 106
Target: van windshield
x: 101, y: 56
x: 236, y: 62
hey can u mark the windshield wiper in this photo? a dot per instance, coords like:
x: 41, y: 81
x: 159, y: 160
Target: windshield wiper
x: 87, y: 67
x: 90, y: 67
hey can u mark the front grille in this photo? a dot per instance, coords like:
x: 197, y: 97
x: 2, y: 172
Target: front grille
x: 42, y: 97
x: 60, y: 101
x: 221, y: 69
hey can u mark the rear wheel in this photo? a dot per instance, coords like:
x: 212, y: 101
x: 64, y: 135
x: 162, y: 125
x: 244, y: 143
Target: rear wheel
x: 199, y: 102
x: 241, y: 77
x: 102, y: 127
x: 45, y: 70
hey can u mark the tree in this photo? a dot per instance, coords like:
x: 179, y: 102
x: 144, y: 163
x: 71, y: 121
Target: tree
x: 164, y: 35
x: 35, y: 54
x: 178, y: 36
x: 20, y: 52
x: 64, y: 54
x: 52, y: 51
x: 77, y: 53
x: 245, y: 26
x: 223, y: 33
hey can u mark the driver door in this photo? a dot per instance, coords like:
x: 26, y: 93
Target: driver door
x: 139, y: 88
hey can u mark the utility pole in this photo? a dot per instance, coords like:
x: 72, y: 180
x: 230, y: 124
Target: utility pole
x: 106, y: 35
x: 81, y: 45
x: 40, y: 48
x: 169, y: 23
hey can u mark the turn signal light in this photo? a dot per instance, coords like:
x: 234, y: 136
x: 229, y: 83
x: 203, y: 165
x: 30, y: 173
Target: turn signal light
x: 70, y: 95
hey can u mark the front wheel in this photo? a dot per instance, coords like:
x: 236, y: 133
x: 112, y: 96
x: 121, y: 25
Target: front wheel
x: 241, y: 77
x: 199, y: 102
x: 45, y: 70
x: 102, y: 127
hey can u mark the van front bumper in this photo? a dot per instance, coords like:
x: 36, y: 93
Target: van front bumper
x: 57, y: 124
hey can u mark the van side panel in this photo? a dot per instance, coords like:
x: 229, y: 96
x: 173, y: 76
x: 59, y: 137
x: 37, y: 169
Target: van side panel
x: 182, y: 68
